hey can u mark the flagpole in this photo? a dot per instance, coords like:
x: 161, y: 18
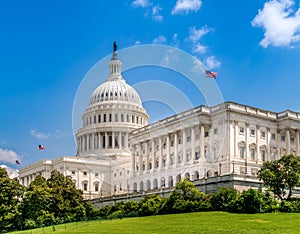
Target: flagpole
x: 38, y: 154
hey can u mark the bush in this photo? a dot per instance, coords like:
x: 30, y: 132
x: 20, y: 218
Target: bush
x: 292, y: 206
x: 250, y: 201
x: 224, y: 199
x: 150, y: 205
x: 29, y: 223
x: 269, y: 203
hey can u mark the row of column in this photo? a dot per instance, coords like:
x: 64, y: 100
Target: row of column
x: 144, y: 157
x: 103, y: 140
x: 288, y: 131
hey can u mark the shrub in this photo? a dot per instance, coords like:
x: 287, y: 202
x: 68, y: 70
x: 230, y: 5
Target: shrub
x: 250, y: 201
x: 150, y: 205
x: 292, y: 205
x: 224, y: 199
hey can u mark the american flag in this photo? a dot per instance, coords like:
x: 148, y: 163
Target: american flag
x: 210, y: 74
x: 42, y: 147
x: 18, y: 162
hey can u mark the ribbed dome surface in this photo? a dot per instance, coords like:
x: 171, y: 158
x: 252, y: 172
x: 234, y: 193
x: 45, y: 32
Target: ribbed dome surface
x: 115, y: 90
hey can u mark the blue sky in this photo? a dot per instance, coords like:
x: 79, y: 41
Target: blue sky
x: 47, y: 48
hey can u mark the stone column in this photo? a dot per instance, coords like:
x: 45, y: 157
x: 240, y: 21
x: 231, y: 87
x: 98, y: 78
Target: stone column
x: 147, y: 156
x: 93, y: 141
x: 140, y: 158
x: 268, y: 152
x: 106, y: 140
x: 297, y: 142
x: 257, y: 146
x: 236, y: 131
x: 126, y: 140
x: 133, y: 160
x: 153, y: 154
x: 288, y: 141
x: 175, y: 149
x: 100, y: 140
x: 193, y: 143
x: 120, y: 140
x: 88, y: 141
x: 113, y: 140
x: 183, y: 146
x: 160, y: 152
x: 168, y: 150
x: 202, y: 154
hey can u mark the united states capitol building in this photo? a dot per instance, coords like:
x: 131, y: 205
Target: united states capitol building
x: 120, y: 153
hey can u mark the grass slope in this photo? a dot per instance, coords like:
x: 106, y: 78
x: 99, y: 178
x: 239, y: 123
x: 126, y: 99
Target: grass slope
x: 203, y: 222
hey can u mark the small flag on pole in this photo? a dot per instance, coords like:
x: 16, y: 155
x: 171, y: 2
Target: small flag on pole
x: 42, y: 147
x: 210, y: 74
x: 18, y: 162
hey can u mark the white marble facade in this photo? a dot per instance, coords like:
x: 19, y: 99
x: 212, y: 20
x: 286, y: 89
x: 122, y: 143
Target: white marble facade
x: 119, y: 153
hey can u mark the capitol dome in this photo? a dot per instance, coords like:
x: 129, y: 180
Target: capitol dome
x: 115, y: 90
x: 114, y: 110
x: 115, y: 87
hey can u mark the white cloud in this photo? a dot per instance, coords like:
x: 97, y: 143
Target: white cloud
x: 9, y: 156
x: 137, y: 42
x: 12, y: 173
x: 175, y: 40
x: 195, y: 35
x: 151, y: 9
x: 199, y: 49
x: 186, y: 6
x: 159, y: 40
x: 140, y: 3
x: 211, y: 62
x: 39, y: 135
x: 156, y: 13
x: 280, y: 23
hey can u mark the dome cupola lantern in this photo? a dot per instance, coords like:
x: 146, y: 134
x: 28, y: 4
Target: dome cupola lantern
x: 114, y: 110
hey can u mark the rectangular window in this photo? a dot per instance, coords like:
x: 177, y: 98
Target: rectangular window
x: 96, y: 187
x: 73, y: 172
x: 282, y: 138
x: 273, y: 136
x: 116, y: 117
x: 188, y: 139
x: 85, y: 186
x: 104, y: 118
x: 215, y: 131
x: 252, y: 154
x: 263, y: 134
x: 242, y: 130
x: 96, y: 174
x: 263, y: 156
x: 252, y: 132
x: 197, y: 155
x: 84, y: 173
x: 122, y: 118
x: 292, y: 140
x: 99, y: 118
x: 110, y: 118
x: 206, y: 134
x: 241, y: 152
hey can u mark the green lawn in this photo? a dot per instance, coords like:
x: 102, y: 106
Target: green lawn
x: 203, y: 222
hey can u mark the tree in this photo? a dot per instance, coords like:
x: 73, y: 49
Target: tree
x: 224, y: 199
x: 185, y: 198
x: 150, y: 205
x: 10, y: 193
x: 37, y: 202
x: 66, y: 201
x: 281, y: 176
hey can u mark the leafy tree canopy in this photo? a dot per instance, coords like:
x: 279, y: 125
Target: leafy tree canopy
x: 281, y: 176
